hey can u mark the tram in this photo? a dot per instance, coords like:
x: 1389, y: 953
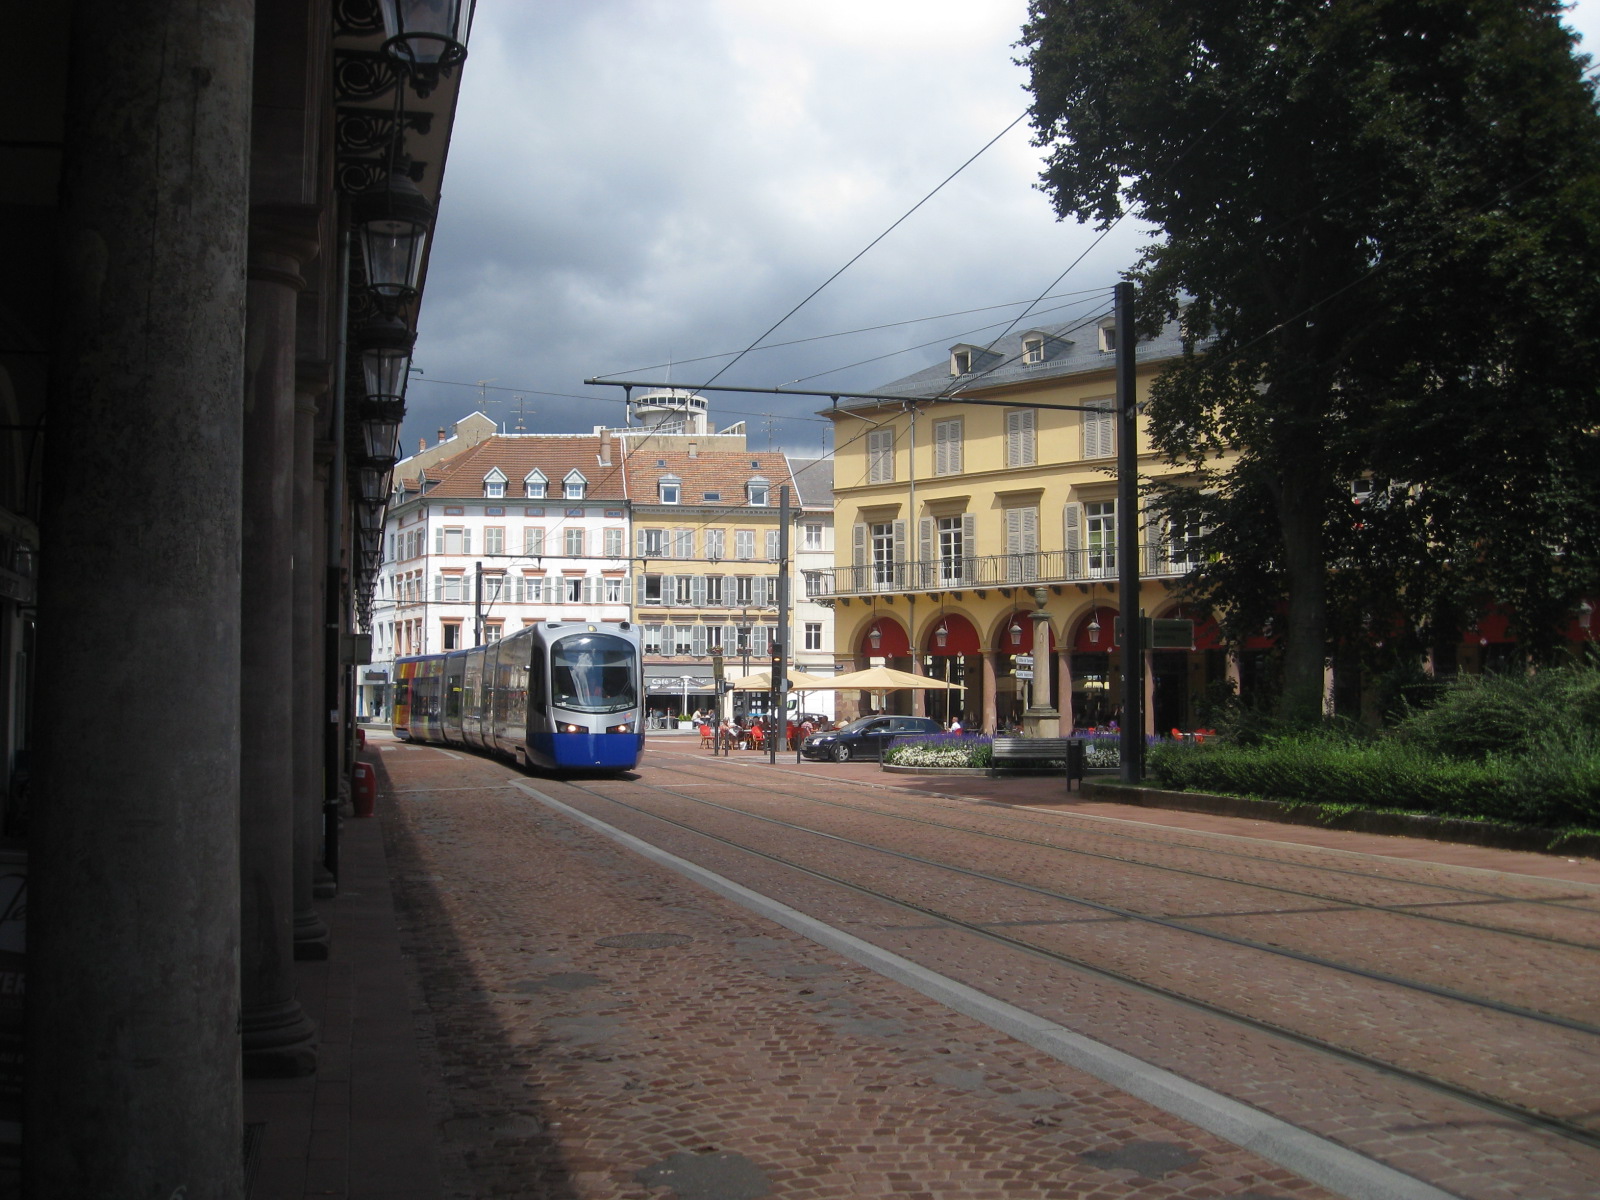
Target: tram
x: 559, y: 695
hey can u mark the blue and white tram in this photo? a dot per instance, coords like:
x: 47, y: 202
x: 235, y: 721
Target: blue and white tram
x: 561, y: 695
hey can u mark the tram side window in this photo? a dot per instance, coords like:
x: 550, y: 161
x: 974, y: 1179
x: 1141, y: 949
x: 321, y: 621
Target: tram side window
x: 452, y: 696
x: 537, y: 696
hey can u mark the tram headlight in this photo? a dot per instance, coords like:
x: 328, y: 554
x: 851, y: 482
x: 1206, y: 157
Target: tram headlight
x: 572, y: 729
x: 624, y: 728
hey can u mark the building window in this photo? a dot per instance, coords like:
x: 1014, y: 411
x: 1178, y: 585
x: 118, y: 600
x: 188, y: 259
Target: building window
x: 613, y: 590
x: 572, y: 589
x: 714, y: 590
x: 1033, y: 349
x: 880, y: 456
x: 572, y: 543
x: 743, y: 589
x: 652, y: 639
x: 883, y: 554
x: 450, y: 587
x: 613, y: 543
x: 1022, y: 545
x: 813, y: 635
x: 535, y: 486
x: 574, y: 486
x: 533, y: 540
x: 744, y: 543
x: 494, y: 540
x: 533, y: 589
x: 452, y: 635
x: 813, y: 537
x: 1020, y: 450
x: 814, y: 582
x: 952, y: 550
x: 1101, y: 521
x: 683, y: 543
x: 491, y: 631
x: 947, y: 447
x: 960, y: 362
x: 671, y: 489
x: 683, y: 589
x: 452, y: 540
x: 1100, y: 430
x: 652, y: 543
x: 494, y: 485
x: 652, y: 590
x: 1108, y: 339
x: 1183, y: 542
x: 493, y: 587
x: 683, y: 639
x: 756, y: 493
x: 774, y: 537
x: 716, y: 544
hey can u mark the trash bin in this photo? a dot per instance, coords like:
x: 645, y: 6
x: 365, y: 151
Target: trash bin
x: 364, y: 793
x: 1077, y: 756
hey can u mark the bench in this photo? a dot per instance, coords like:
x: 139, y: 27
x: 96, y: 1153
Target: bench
x: 1017, y: 751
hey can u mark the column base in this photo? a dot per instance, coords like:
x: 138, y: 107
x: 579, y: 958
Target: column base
x: 323, y: 884
x: 1041, y: 722
x: 312, y: 941
x: 277, y: 1042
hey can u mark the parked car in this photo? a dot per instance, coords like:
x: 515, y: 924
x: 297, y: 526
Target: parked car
x: 868, y: 737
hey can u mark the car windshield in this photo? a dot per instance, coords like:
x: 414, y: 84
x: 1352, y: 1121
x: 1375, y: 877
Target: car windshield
x: 593, y: 673
x: 861, y: 724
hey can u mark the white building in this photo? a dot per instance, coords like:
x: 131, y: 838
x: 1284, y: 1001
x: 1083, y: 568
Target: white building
x: 515, y: 530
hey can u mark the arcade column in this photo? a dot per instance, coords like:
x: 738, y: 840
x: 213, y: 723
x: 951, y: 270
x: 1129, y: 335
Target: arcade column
x: 132, y: 1083
x: 276, y: 1036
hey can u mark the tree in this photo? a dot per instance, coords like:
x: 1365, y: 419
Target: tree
x: 1378, y: 224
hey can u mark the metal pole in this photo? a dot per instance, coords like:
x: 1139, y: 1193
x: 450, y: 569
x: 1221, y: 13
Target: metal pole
x: 780, y: 673
x: 477, y: 607
x: 1132, y: 744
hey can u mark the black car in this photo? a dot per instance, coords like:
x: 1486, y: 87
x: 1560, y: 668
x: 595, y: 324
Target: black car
x: 867, y: 738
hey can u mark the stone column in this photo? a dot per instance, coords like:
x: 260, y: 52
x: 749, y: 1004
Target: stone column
x: 1068, y: 717
x: 132, y: 1081
x: 310, y: 931
x: 1041, y: 719
x: 919, y: 698
x: 991, y: 717
x: 277, y: 1037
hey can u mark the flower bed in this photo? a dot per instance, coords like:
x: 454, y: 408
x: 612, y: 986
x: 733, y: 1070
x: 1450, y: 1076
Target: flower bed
x: 940, y: 750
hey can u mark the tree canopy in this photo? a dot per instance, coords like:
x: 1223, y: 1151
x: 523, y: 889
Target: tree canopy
x: 1378, y: 222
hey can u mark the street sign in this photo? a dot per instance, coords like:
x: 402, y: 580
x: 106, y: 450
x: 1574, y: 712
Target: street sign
x: 1168, y: 634
x: 1024, y: 660
x: 1025, y: 673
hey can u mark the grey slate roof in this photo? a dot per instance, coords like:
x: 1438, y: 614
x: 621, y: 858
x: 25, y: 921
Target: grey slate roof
x: 1073, y: 348
x: 813, y: 480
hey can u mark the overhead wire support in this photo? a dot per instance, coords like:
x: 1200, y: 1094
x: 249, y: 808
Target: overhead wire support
x: 836, y: 395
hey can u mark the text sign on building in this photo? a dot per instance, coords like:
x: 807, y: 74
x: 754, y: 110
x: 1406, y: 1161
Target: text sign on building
x: 1025, y: 673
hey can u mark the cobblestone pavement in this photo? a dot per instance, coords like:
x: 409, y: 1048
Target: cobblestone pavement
x: 600, y: 1026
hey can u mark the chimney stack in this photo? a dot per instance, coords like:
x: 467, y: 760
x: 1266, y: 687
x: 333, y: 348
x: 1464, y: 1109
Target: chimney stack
x: 422, y: 445
x: 605, y: 447
x: 441, y: 435
x: 694, y: 449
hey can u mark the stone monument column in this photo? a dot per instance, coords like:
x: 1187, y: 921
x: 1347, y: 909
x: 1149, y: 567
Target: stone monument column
x: 132, y: 1081
x: 277, y: 1038
x: 1041, y: 719
x: 991, y: 717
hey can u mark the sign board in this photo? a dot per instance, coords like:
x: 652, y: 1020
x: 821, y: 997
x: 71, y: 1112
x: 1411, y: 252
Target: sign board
x: 1164, y: 634
x: 1025, y: 673
x: 355, y: 649
x: 1024, y: 660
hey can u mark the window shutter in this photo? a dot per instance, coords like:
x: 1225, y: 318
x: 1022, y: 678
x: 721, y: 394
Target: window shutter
x: 926, y: 564
x: 1072, y: 538
x: 438, y: 587
x: 730, y: 592
x: 772, y: 545
x: 698, y: 634
x: 627, y: 589
x: 900, y: 539
x: 969, y: 546
x: 758, y: 590
x: 699, y: 589
x: 669, y: 590
x: 638, y: 537
x: 438, y: 540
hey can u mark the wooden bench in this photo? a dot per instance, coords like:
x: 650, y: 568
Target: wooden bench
x: 1018, y: 751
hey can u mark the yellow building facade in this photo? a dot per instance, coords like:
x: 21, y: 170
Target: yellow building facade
x: 977, y: 539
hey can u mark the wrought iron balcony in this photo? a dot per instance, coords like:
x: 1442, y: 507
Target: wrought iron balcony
x: 975, y: 573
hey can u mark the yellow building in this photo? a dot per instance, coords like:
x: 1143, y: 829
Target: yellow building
x: 958, y: 522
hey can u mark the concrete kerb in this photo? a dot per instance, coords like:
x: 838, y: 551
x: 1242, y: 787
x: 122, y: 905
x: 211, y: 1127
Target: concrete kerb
x: 1494, y: 835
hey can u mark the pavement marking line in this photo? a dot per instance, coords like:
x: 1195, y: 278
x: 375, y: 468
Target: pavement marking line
x: 1336, y: 1168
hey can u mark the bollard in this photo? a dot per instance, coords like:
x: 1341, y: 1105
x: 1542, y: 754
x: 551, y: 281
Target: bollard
x: 364, y: 795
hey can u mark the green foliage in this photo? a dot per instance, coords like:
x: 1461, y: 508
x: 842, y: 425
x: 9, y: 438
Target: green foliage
x: 1519, y: 749
x: 1410, y: 300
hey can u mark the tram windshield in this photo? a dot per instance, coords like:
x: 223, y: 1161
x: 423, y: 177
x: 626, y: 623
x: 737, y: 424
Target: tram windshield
x: 593, y: 673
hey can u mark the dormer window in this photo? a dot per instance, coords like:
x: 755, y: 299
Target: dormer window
x: 574, y: 485
x: 535, y: 486
x: 1033, y: 349
x: 756, y: 492
x: 1108, y: 339
x: 961, y: 362
x: 671, y: 488
x: 494, y: 484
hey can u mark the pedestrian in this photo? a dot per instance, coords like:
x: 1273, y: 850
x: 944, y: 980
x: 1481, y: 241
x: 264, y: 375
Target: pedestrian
x: 955, y: 724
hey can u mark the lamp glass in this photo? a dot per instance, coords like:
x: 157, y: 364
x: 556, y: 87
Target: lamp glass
x: 427, y: 32
x: 1016, y: 633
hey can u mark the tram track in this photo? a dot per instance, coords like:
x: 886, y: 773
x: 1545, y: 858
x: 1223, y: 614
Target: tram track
x: 1474, y: 895
x: 1502, y: 1107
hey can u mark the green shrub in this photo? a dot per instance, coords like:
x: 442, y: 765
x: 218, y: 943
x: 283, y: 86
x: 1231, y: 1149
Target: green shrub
x: 1507, y: 714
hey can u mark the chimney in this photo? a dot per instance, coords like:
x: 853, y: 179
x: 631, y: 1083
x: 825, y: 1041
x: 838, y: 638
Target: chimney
x: 441, y: 435
x: 605, y: 447
x: 694, y: 449
x: 422, y: 445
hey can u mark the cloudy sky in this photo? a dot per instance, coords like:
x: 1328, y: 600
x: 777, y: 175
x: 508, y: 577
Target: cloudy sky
x: 641, y: 188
